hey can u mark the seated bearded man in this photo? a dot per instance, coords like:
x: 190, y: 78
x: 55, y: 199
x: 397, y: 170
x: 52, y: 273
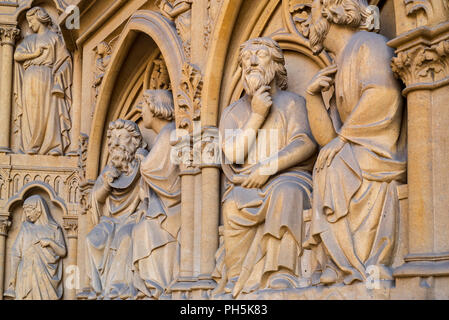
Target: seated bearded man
x: 115, y: 201
x: 265, y: 196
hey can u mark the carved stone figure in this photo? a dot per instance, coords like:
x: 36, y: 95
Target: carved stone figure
x: 155, y: 237
x: 115, y: 202
x: 36, y: 255
x: 265, y: 195
x: 180, y: 12
x: 102, y: 59
x: 363, y: 156
x: 43, y: 80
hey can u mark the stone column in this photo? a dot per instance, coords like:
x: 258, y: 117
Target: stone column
x: 8, y: 34
x: 76, y: 104
x: 70, y: 268
x: 422, y: 63
x: 4, y: 226
x: 210, y: 204
x: 188, y: 171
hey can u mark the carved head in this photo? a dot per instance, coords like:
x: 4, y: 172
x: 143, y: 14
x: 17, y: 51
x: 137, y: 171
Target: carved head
x: 262, y: 61
x: 35, y: 210
x: 157, y: 104
x: 124, y: 138
x: 103, y: 49
x: 37, y: 17
x: 356, y: 14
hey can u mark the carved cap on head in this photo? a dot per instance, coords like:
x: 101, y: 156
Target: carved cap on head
x: 276, y: 54
x: 353, y: 13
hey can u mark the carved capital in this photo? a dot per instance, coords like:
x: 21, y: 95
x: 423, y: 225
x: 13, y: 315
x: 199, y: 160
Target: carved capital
x: 189, y: 97
x: 210, y: 148
x: 423, y: 64
x: 71, y: 226
x: 9, y: 34
x: 4, y: 227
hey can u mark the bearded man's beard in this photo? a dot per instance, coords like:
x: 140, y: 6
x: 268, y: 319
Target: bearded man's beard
x: 317, y: 34
x: 252, y: 81
x: 121, y: 158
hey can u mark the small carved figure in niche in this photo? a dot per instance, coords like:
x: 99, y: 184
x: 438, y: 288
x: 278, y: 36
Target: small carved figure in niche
x: 115, y: 202
x: 102, y: 59
x: 265, y: 195
x: 159, y: 77
x: 363, y: 156
x: 155, y: 237
x: 36, y: 255
x: 42, y: 88
x: 180, y: 12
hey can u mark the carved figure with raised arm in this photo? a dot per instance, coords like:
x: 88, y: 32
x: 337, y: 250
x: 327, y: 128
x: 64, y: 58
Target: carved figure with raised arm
x: 363, y: 157
x: 43, y: 88
x: 115, y: 203
x: 156, y: 235
x: 268, y: 158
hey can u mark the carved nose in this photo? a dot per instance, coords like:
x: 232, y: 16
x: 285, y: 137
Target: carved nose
x: 253, y: 61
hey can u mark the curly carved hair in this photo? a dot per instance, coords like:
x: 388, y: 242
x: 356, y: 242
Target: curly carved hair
x: 353, y: 13
x: 41, y: 14
x: 276, y: 54
x: 131, y: 127
x: 160, y: 103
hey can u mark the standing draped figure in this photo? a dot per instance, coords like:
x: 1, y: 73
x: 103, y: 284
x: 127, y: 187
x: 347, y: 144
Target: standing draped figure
x: 36, y: 255
x: 42, y: 88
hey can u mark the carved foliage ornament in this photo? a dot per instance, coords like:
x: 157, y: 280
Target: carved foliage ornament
x: 9, y: 34
x: 189, y: 96
x: 423, y: 64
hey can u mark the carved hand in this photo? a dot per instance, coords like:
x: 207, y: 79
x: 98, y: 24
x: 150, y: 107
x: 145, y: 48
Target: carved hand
x: 110, y: 175
x: 328, y: 153
x: 256, y: 179
x: 45, y: 242
x: 323, y: 80
x: 261, y: 101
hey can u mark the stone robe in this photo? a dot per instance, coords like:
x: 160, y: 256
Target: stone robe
x: 155, y: 237
x: 109, y: 244
x: 355, y: 202
x: 42, y: 90
x: 39, y: 273
x: 263, y: 227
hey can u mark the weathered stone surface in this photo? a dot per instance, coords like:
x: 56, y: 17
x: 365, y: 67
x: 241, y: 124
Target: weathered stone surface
x: 352, y: 95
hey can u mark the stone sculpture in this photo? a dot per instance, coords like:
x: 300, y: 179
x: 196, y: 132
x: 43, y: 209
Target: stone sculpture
x: 42, y: 88
x: 265, y: 196
x: 155, y: 237
x: 36, y: 255
x: 115, y: 201
x: 363, y: 156
x: 180, y: 12
x: 102, y: 59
